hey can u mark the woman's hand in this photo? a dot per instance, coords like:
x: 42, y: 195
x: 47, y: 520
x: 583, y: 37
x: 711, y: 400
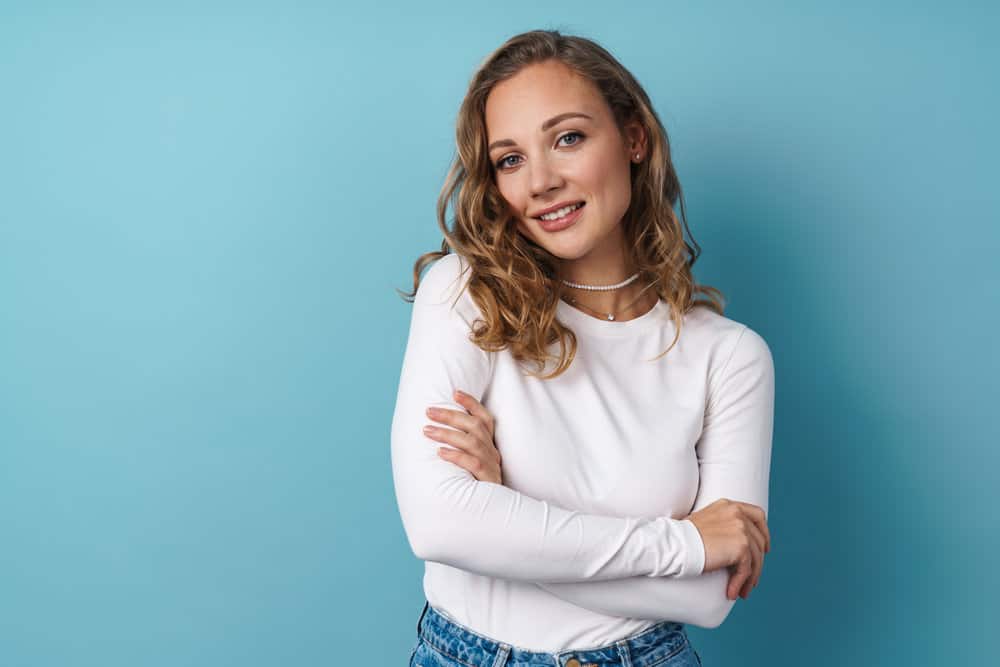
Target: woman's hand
x: 474, y: 438
x: 736, y: 536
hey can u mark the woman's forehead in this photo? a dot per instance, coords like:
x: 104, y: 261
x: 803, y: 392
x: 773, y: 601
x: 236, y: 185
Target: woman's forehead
x: 526, y: 101
x: 551, y: 83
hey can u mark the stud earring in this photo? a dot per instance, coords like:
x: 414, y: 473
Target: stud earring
x: 637, y: 156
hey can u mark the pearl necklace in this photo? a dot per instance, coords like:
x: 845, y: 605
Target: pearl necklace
x: 602, y: 287
x: 609, y: 316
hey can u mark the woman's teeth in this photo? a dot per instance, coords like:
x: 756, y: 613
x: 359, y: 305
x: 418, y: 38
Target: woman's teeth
x: 561, y: 212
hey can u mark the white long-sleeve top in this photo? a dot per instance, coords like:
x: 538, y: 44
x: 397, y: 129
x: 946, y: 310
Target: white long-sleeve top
x: 584, y: 542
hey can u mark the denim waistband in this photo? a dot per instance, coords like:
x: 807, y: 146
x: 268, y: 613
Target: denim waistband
x: 649, y: 647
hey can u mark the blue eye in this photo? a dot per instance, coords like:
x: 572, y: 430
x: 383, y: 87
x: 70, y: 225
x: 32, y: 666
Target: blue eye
x: 502, y: 162
x: 570, y: 134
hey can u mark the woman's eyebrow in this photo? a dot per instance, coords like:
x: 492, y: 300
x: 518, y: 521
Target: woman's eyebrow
x: 546, y: 125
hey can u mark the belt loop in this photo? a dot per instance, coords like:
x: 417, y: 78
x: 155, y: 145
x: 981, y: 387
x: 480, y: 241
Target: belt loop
x: 624, y: 653
x: 426, y: 604
x: 502, y: 655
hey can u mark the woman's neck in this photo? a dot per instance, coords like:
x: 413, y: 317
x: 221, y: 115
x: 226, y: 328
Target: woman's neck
x: 607, y: 264
x: 626, y: 303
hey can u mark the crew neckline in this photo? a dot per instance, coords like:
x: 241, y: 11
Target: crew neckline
x: 577, y: 320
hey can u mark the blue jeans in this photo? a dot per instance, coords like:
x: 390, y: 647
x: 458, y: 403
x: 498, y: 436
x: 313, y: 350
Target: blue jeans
x: 443, y: 643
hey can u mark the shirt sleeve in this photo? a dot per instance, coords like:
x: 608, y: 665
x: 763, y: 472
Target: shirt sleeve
x: 734, y: 457
x: 451, y: 517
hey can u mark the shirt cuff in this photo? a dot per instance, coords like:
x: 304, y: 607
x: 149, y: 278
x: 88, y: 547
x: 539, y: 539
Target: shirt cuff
x: 694, y: 559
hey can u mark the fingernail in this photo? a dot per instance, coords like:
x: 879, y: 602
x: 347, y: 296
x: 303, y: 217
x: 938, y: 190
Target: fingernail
x: 428, y: 430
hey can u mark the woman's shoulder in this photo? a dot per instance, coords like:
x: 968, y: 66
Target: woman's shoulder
x: 707, y: 321
x: 720, y: 335
x: 444, y: 280
x: 443, y: 285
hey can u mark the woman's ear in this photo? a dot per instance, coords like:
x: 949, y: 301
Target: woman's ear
x: 635, y: 139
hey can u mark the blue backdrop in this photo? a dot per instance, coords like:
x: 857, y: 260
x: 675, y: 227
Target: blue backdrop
x: 205, y: 211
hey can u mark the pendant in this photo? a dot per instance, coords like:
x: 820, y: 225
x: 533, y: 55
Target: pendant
x: 610, y: 316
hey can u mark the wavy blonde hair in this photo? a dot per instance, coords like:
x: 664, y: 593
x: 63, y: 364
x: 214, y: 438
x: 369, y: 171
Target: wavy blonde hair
x: 514, y: 280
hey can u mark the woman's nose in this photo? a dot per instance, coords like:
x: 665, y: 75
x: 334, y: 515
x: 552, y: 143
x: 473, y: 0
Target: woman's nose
x: 543, y: 177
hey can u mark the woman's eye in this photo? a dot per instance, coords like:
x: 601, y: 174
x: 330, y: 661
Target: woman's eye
x: 571, y: 134
x: 503, y: 162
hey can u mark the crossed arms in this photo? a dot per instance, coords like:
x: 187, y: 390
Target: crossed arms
x: 634, y: 567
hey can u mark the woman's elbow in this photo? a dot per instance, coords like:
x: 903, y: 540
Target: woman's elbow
x: 423, y: 531
x: 715, y: 605
x: 421, y: 547
x: 716, y: 612
x: 431, y: 536
x: 429, y: 542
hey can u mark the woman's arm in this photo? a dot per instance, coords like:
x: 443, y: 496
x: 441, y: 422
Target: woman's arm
x: 452, y: 518
x: 734, y: 457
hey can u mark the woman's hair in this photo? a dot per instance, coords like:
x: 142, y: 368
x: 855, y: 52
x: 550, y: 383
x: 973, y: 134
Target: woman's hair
x: 514, y: 280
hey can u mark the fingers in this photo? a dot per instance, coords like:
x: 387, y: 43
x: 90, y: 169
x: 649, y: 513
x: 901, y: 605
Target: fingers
x: 460, y: 420
x: 459, y: 439
x: 749, y: 556
x: 475, y: 409
x: 750, y: 567
x: 747, y: 583
x: 746, y: 572
x: 472, y: 444
x: 757, y: 514
x: 470, y: 453
x: 739, y: 576
x: 476, y: 420
x: 463, y: 460
x: 757, y: 542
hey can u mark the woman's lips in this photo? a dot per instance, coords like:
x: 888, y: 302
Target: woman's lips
x: 561, y: 223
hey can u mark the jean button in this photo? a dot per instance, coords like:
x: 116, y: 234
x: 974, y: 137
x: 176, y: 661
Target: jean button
x: 572, y: 662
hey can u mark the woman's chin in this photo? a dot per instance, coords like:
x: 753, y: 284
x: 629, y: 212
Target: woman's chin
x: 566, y: 246
x: 566, y: 251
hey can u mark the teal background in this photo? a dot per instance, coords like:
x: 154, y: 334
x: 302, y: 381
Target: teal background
x: 206, y: 208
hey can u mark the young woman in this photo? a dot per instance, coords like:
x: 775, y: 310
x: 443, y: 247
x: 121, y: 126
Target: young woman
x: 603, y: 478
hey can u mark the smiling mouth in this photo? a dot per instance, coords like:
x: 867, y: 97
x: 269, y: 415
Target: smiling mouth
x: 564, y: 222
x: 573, y: 208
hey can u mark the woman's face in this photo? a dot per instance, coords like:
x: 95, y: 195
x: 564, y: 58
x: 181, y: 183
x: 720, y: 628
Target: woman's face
x: 539, y: 163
